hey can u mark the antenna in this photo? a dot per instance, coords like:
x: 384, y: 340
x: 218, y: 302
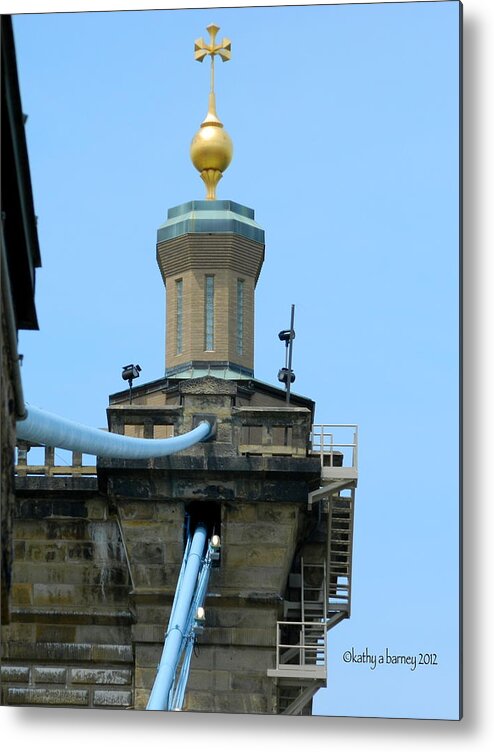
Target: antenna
x: 129, y: 373
x: 286, y: 375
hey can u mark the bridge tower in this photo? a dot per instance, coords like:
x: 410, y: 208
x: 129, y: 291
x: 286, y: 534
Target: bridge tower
x: 278, y: 490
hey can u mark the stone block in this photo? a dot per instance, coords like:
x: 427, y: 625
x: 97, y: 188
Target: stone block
x: 65, y: 529
x: 111, y: 698
x: 30, y: 529
x: 258, y: 580
x: 148, y: 656
x: 236, y: 702
x: 144, y: 678
x: 97, y: 509
x: 19, y: 550
x: 100, y: 676
x: 103, y: 634
x: 22, y: 594
x: 279, y: 513
x: 218, y: 681
x: 251, y: 683
x: 239, y: 617
x: 69, y: 508
x: 240, y: 512
x: 141, y: 697
x: 55, y: 633
x: 152, y: 614
x: 79, y: 551
x: 170, y: 513
x: 112, y: 653
x: 148, y: 633
x: 19, y: 632
x: 14, y: 674
x: 230, y: 658
x: 103, y: 594
x: 199, y: 702
x: 48, y: 651
x: 43, y: 696
x: 255, y: 556
x: 136, y: 531
x: 49, y: 675
x: 45, y: 552
x: 74, y: 573
x: 54, y: 594
x: 261, y: 636
x: 34, y: 509
x: 145, y: 576
x: 147, y: 552
x: 135, y: 510
x: 260, y: 533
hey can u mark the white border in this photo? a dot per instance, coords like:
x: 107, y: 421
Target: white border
x: 45, y: 729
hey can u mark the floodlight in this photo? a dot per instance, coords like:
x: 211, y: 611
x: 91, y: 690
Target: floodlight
x: 283, y: 375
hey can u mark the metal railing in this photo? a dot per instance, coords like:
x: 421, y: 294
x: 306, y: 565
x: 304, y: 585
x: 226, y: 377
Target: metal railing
x: 337, y: 445
x: 301, y: 649
x: 72, y: 462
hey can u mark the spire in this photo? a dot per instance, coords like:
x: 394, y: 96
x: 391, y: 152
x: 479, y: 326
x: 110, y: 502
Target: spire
x: 211, y: 150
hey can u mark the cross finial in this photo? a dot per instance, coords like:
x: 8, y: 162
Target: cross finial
x: 201, y: 49
x: 211, y: 149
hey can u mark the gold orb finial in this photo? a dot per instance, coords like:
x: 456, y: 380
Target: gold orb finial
x: 211, y: 149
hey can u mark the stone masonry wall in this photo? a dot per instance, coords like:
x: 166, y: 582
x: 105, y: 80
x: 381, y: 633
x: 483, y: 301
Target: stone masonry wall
x: 69, y: 639
x: 7, y: 437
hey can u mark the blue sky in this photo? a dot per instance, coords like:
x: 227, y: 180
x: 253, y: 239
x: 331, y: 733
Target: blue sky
x: 344, y: 121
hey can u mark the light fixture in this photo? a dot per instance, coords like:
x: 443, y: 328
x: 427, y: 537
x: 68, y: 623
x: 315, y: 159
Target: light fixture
x: 283, y: 375
x: 129, y: 373
x: 286, y: 374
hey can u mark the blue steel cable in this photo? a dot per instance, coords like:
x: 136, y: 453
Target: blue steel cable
x: 42, y: 427
x: 159, y: 698
x: 178, y: 690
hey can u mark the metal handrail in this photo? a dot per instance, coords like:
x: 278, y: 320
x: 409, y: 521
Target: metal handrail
x: 303, y: 648
x: 323, y: 442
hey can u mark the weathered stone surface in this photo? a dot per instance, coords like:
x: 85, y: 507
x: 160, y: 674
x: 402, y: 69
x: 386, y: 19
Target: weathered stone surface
x: 49, y: 675
x: 148, y: 656
x: 48, y: 651
x: 256, y: 556
x: 252, y: 683
x: 22, y: 594
x: 100, y: 676
x: 100, y: 630
x: 42, y: 696
x: 141, y: 697
x: 235, y: 636
x: 227, y: 702
x: 260, y: 533
x: 148, y: 633
x: 148, y: 552
x: 40, y: 551
x: 110, y: 698
x: 271, y: 580
x: 209, y: 680
x: 55, y: 633
x: 237, y: 659
x: 103, y: 633
x: 15, y: 674
x: 22, y: 632
x: 69, y: 652
x: 144, y: 677
x: 112, y: 653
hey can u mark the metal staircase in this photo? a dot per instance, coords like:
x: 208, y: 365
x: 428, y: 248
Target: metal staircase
x: 321, y: 590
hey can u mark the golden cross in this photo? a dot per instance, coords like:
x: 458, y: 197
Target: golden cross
x: 201, y: 49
